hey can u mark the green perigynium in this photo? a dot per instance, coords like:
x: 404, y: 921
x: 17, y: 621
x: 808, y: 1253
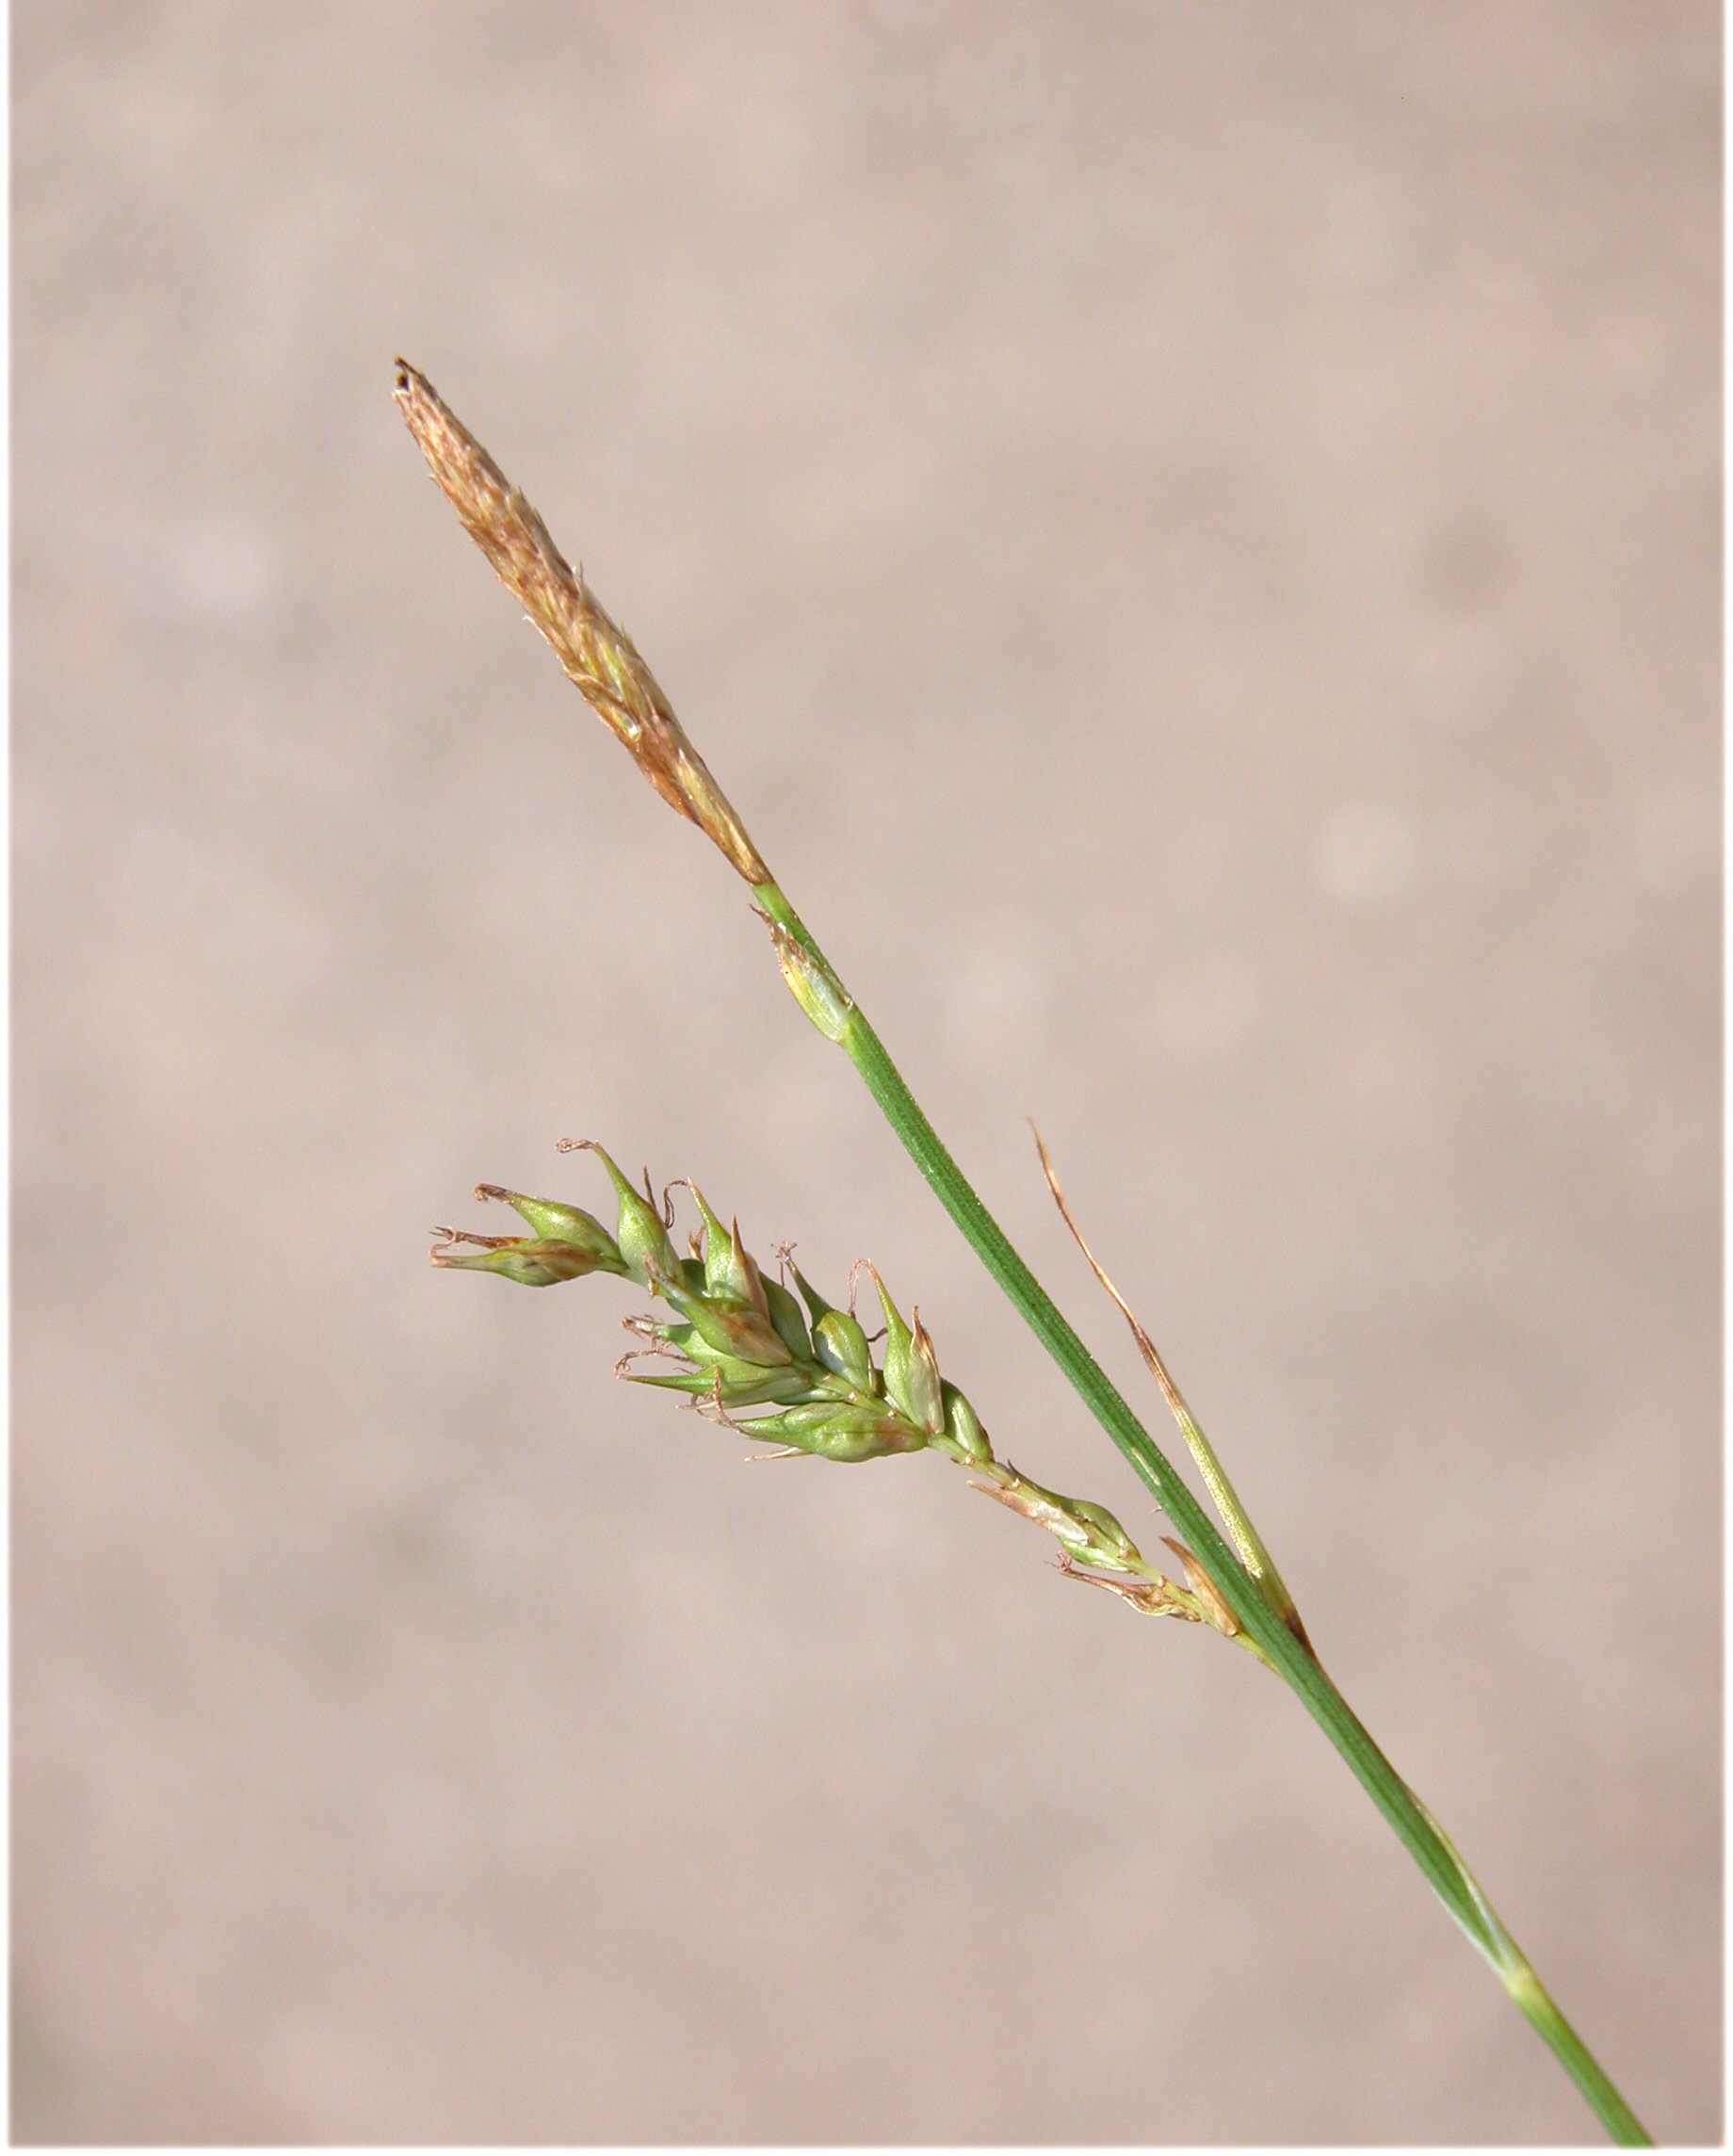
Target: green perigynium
x: 792, y: 1370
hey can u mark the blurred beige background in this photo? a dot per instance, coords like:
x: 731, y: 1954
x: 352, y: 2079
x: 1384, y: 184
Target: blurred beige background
x: 1192, y: 533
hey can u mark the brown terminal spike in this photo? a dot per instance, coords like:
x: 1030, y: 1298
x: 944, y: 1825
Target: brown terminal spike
x: 597, y: 655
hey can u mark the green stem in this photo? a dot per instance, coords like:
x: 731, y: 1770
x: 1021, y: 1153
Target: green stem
x: 1420, y: 1833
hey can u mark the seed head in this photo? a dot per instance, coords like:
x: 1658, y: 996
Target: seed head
x: 747, y: 1355
x: 596, y: 653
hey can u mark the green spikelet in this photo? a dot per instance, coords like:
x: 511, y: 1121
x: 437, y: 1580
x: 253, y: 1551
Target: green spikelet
x: 745, y: 1353
x: 641, y: 1233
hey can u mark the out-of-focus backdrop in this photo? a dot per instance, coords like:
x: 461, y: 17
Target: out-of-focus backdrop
x: 1190, y: 531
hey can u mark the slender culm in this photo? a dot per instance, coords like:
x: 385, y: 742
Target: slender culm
x: 786, y: 1369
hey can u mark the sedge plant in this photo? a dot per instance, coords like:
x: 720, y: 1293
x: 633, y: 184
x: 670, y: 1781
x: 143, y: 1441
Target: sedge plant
x: 784, y: 1366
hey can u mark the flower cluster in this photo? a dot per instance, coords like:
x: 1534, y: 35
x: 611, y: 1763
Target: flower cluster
x: 778, y: 1363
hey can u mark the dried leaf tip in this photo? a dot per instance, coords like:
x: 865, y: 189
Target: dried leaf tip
x: 1248, y: 1544
x: 597, y: 655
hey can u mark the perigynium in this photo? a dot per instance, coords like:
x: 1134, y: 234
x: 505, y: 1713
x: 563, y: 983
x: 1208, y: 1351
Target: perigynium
x: 748, y: 1354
